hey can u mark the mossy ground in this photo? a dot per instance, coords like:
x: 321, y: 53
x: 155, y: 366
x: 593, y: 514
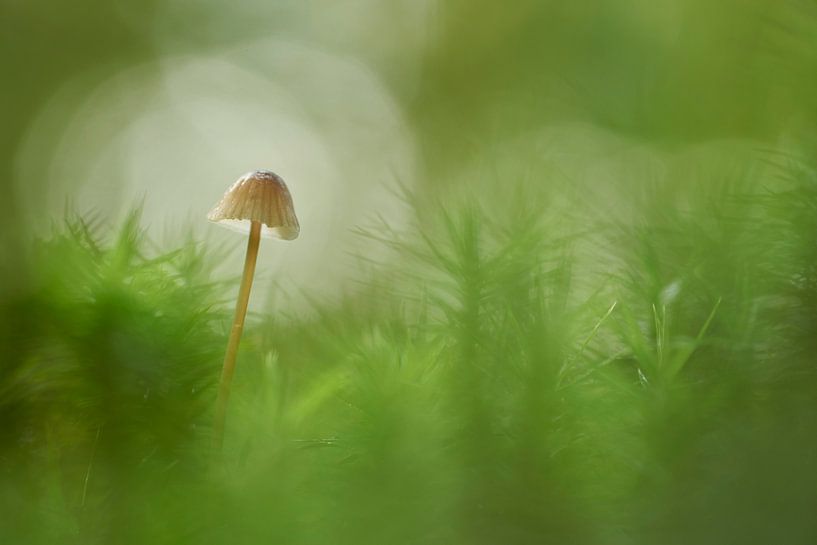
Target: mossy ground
x: 489, y: 386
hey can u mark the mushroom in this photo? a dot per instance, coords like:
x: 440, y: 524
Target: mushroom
x: 259, y: 203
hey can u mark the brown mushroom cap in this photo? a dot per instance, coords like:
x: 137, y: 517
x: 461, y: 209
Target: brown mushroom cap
x: 258, y: 196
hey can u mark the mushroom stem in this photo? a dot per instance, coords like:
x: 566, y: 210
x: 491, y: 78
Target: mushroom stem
x: 235, y: 334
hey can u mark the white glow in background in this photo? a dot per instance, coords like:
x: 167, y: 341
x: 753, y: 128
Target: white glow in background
x: 179, y: 132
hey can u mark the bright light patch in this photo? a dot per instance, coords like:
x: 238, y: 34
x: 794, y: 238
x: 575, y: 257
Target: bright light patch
x: 178, y: 133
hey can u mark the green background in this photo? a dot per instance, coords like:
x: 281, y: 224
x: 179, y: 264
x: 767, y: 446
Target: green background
x: 596, y: 322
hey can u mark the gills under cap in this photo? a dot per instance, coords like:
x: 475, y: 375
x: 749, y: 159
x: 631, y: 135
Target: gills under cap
x: 258, y: 196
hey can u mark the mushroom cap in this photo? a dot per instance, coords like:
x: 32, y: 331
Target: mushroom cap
x: 258, y: 196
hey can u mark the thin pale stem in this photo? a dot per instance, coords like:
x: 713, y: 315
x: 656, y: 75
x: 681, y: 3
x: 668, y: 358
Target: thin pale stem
x: 235, y: 334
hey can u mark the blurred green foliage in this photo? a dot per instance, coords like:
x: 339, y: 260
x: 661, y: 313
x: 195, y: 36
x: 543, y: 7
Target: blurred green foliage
x: 478, y: 397
x: 533, y: 366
